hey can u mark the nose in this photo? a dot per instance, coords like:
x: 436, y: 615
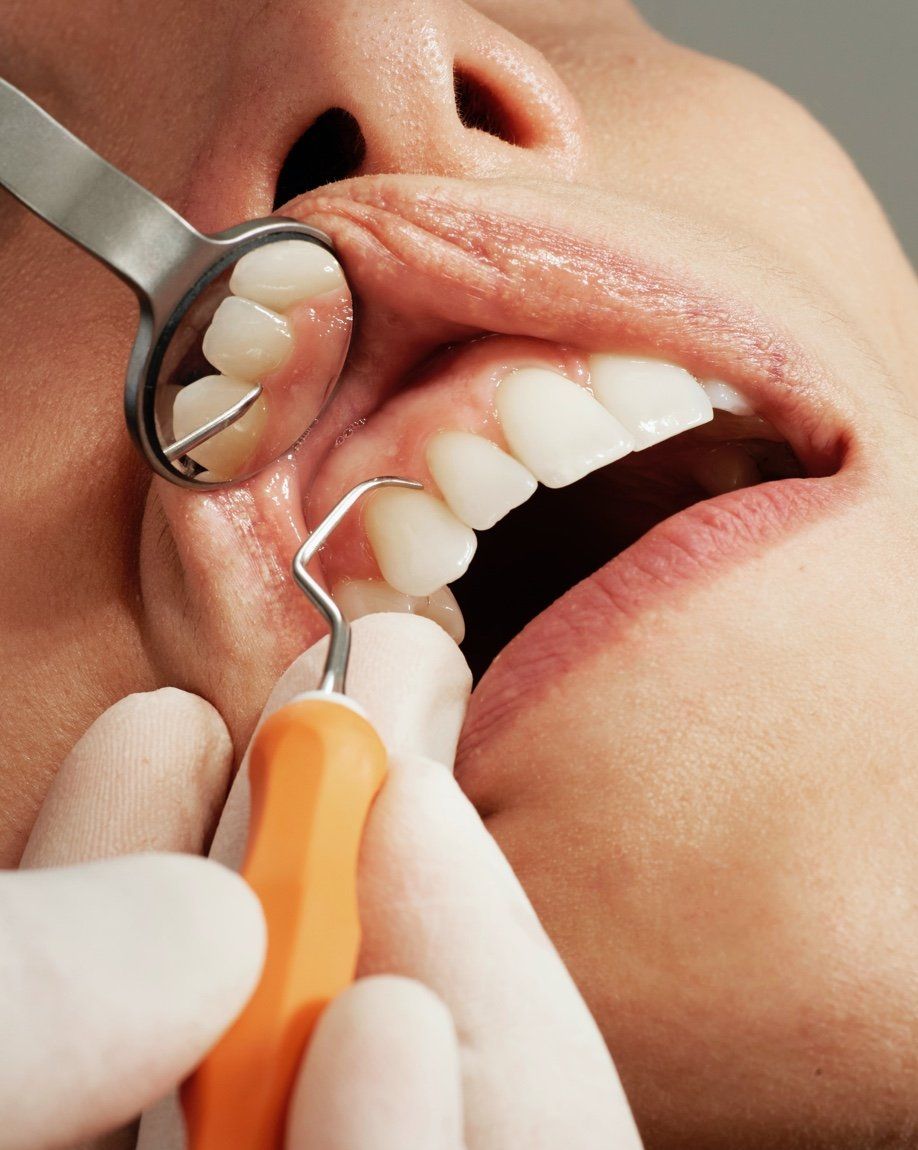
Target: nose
x: 417, y: 86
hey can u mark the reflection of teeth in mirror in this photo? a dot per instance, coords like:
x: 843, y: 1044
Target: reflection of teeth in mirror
x: 652, y: 399
x: 227, y: 454
x: 286, y: 273
x: 245, y: 340
x: 359, y: 597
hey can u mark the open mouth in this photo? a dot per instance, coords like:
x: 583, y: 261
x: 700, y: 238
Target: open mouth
x: 560, y: 537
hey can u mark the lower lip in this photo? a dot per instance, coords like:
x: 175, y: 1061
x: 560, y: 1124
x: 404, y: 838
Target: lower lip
x: 689, y: 548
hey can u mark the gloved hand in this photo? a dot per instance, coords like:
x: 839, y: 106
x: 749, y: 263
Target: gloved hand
x: 451, y: 947
x: 116, y: 976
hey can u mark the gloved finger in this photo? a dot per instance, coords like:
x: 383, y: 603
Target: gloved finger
x: 150, y: 774
x: 414, y: 683
x: 117, y: 976
x: 407, y: 674
x: 382, y: 1073
x: 440, y: 904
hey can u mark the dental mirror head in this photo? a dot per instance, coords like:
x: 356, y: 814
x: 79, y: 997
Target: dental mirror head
x: 242, y: 335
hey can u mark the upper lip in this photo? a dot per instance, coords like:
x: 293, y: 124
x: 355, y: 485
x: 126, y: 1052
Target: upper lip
x: 450, y: 258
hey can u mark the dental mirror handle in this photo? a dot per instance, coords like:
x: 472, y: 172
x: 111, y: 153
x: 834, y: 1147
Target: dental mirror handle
x: 72, y: 188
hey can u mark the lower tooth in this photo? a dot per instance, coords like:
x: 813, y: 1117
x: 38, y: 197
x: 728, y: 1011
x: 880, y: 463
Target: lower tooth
x: 204, y: 400
x: 726, y: 468
x: 556, y: 428
x: 359, y: 597
x: 418, y: 543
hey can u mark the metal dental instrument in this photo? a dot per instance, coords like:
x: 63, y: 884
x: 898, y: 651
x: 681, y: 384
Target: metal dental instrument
x: 315, y: 767
x: 178, y: 274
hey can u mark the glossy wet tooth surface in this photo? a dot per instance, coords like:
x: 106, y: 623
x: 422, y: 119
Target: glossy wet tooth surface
x: 654, y: 400
x: 226, y: 454
x: 557, y: 429
x: 246, y: 340
x: 725, y: 397
x: 285, y: 273
x: 418, y: 542
x: 479, y: 482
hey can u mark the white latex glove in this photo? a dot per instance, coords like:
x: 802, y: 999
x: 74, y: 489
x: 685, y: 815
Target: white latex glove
x: 451, y: 945
x: 116, y: 976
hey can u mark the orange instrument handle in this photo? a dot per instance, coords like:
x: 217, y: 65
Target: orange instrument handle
x: 315, y: 768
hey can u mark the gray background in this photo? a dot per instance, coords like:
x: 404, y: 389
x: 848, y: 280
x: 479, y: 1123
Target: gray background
x: 853, y: 63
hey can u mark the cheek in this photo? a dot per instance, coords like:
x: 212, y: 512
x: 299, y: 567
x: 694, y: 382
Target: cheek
x: 715, y: 823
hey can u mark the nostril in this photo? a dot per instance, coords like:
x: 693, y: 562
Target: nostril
x: 479, y: 107
x: 332, y: 148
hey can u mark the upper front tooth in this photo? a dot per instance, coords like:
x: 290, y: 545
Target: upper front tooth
x: 654, y: 400
x: 725, y: 397
x: 479, y: 482
x: 418, y: 543
x: 226, y: 454
x: 557, y: 429
x: 282, y: 274
x: 245, y: 340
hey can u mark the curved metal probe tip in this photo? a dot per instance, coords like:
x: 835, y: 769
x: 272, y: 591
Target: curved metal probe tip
x: 339, y: 646
x: 213, y: 427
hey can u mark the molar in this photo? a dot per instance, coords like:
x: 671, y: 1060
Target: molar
x: 246, y: 340
x: 226, y: 453
x: 653, y: 399
x: 479, y: 482
x: 359, y: 597
x: 556, y: 428
x: 285, y: 273
x: 725, y: 397
x: 418, y: 542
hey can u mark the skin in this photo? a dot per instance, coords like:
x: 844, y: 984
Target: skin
x: 713, y: 814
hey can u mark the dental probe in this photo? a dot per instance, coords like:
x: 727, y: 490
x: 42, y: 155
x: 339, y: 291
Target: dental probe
x: 178, y: 274
x: 315, y: 767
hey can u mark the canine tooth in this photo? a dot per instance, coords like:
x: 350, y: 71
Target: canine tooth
x: 198, y: 403
x: 725, y: 397
x: 479, y: 482
x: 556, y: 428
x: 726, y: 467
x: 246, y: 340
x: 418, y: 543
x: 359, y: 597
x: 282, y: 274
x: 654, y: 400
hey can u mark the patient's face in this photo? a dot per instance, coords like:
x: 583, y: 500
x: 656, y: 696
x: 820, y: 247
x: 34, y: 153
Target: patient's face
x: 701, y: 759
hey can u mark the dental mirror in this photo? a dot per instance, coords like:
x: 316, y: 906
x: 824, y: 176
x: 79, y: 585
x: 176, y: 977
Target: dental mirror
x: 207, y: 403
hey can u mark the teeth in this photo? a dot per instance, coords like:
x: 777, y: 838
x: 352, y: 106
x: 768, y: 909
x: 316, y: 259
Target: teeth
x: 726, y: 468
x: 418, y: 543
x: 226, y: 454
x: 725, y: 397
x: 282, y: 274
x: 246, y: 340
x: 359, y: 597
x: 557, y: 429
x: 654, y: 400
x: 479, y: 482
